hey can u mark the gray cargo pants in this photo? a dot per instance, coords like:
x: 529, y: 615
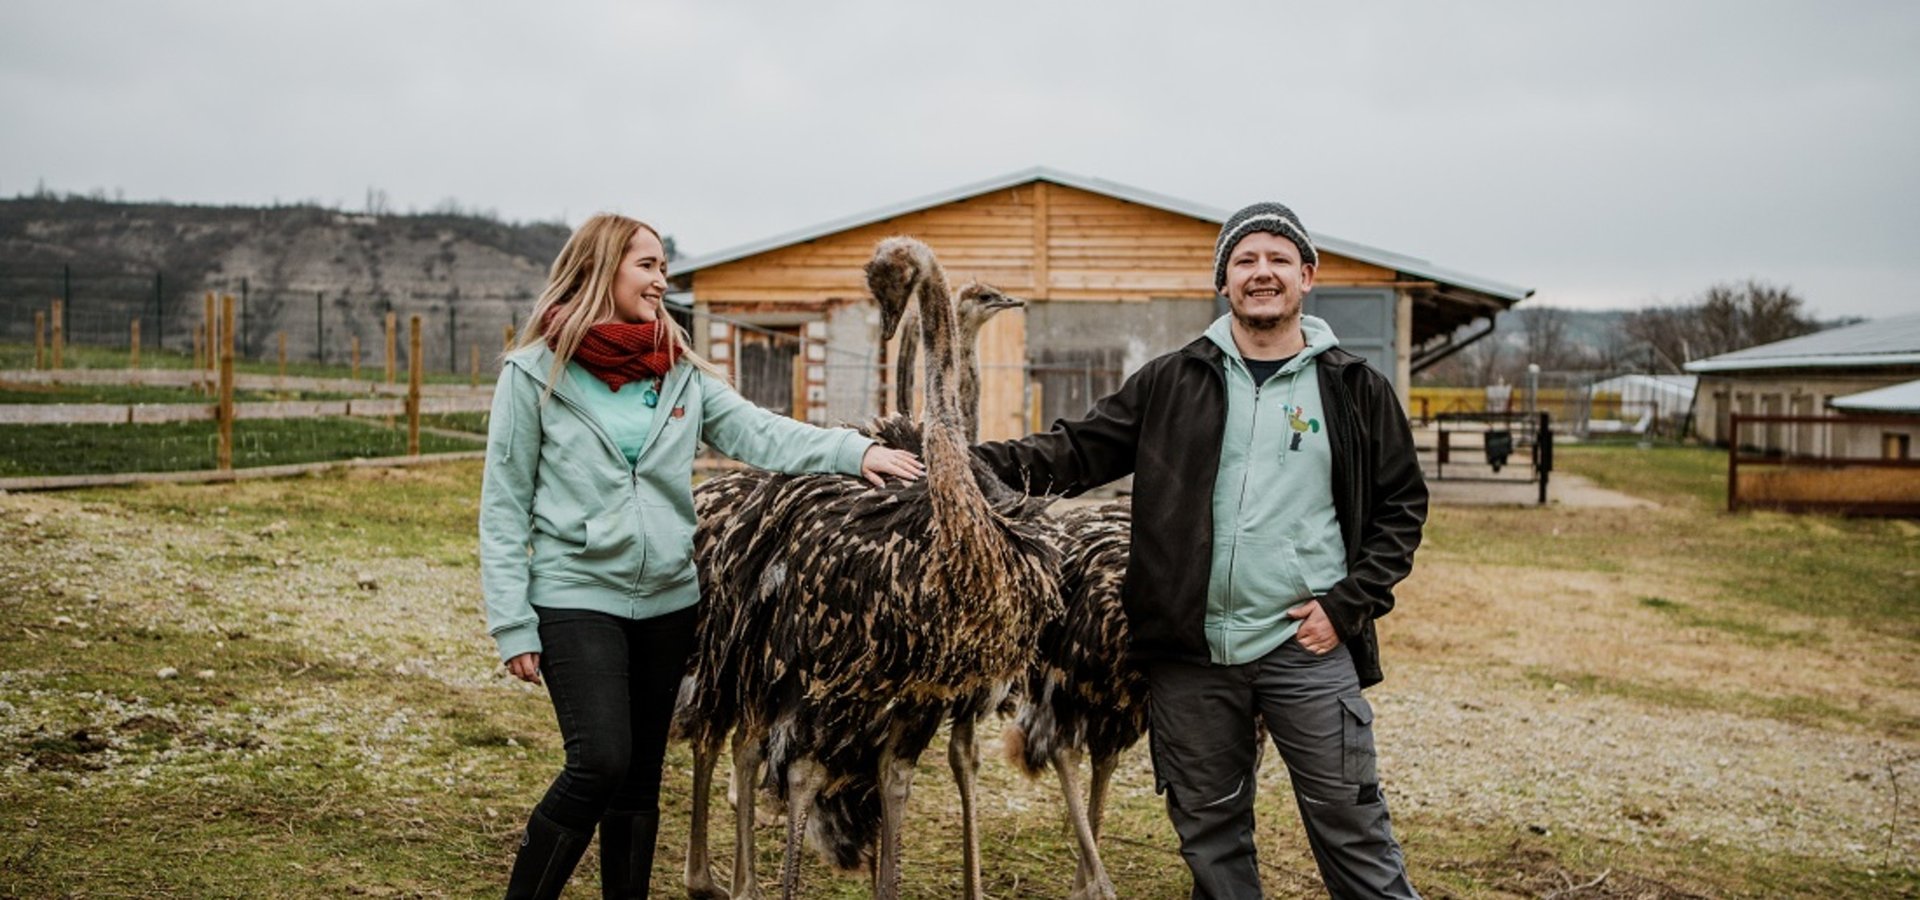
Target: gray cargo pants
x: 1204, y: 756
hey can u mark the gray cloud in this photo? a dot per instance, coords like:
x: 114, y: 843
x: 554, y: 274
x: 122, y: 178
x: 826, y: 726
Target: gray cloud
x: 1606, y: 155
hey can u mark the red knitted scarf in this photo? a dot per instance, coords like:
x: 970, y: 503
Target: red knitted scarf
x: 620, y: 352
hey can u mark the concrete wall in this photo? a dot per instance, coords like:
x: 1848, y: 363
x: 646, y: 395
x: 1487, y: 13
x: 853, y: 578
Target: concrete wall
x: 852, y: 362
x: 1780, y: 394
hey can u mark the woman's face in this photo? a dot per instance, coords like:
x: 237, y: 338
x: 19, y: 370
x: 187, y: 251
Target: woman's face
x: 640, y: 284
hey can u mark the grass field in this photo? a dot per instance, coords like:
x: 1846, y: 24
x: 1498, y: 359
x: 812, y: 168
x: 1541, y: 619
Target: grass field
x: 1668, y: 702
x: 372, y: 363
x: 21, y: 392
x: 183, y: 446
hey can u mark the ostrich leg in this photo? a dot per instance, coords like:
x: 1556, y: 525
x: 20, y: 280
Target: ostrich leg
x: 804, y: 779
x: 896, y: 780
x: 1103, y: 767
x: 963, y: 756
x: 1090, y: 878
x: 700, y: 883
x: 746, y: 767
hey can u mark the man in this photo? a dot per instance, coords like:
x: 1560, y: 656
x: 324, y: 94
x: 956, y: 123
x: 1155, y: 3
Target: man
x: 1276, y: 504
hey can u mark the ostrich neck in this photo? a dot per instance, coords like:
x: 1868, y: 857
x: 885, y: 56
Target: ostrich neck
x: 903, y: 367
x: 949, y: 470
x: 969, y: 387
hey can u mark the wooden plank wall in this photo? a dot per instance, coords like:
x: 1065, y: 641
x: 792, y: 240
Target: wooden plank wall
x: 1039, y: 240
x: 1086, y: 247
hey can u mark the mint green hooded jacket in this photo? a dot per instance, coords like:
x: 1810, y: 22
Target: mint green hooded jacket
x: 1276, y: 535
x: 565, y: 522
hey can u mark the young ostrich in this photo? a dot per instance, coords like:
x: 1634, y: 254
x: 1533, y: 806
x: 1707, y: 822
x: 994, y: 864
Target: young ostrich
x: 846, y: 621
x: 1081, y: 695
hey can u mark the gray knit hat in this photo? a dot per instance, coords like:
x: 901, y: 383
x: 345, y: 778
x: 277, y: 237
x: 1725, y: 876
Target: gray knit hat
x: 1271, y: 218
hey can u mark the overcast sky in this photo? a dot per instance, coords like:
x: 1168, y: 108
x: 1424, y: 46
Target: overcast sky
x: 1607, y: 155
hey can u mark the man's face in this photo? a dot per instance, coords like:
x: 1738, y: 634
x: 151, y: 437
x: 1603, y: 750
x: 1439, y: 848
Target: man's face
x: 1266, y: 281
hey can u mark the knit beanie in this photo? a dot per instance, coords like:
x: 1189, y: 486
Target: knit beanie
x: 1271, y: 218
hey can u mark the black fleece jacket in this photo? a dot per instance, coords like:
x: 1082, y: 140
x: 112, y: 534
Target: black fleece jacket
x: 1165, y: 424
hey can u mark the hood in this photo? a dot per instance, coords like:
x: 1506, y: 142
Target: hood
x: 1319, y: 335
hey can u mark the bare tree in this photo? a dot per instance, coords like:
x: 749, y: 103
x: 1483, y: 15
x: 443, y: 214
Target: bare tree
x: 1723, y: 318
x: 1545, y: 331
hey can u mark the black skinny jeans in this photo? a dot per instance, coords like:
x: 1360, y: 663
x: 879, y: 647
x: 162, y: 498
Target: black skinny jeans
x: 613, y: 682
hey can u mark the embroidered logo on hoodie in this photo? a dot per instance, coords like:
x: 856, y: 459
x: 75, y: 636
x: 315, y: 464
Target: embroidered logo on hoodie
x: 1301, y: 425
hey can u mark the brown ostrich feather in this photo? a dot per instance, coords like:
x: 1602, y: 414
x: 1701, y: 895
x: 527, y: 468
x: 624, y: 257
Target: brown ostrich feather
x: 844, y: 622
x: 1081, y: 692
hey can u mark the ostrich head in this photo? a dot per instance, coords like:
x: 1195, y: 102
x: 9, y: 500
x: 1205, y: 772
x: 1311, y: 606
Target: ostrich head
x: 979, y: 302
x: 898, y: 264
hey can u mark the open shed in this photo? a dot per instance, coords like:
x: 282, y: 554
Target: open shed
x: 1114, y: 276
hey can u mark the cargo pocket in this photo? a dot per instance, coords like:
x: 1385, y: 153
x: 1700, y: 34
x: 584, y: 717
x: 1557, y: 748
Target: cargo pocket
x: 1356, y: 739
x: 1195, y: 785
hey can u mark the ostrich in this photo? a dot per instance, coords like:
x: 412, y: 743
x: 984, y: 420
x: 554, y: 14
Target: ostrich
x: 1081, y: 695
x: 724, y: 506
x: 846, y: 622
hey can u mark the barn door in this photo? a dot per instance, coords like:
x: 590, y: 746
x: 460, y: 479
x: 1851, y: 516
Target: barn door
x: 1362, y: 318
x: 766, y: 367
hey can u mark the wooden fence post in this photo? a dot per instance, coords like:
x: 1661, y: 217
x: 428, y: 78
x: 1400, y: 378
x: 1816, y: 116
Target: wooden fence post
x: 225, y: 412
x: 39, y: 339
x: 393, y: 347
x: 798, y: 387
x: 413, y: 386
x: 133, y: 345
x: 59, y: 334
x: 212, y: 340
x: 473, y: 351
x: 211, y: 326
x: 282, y: 385
x: 507, y: 343
x: 356, y: 360
x: 1733, y: 460
x: 199, y: 338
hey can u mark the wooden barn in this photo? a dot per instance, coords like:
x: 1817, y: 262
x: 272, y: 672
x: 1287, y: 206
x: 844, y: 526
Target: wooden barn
x: 1113, y: 276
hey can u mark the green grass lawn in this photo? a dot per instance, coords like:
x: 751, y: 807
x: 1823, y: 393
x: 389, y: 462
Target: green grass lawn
x: 472, y: 422
x: 372, y: 365
x: 1665, y: 473
x: 22, y: 392
x: 1804, y: 564
x: 182, y: 446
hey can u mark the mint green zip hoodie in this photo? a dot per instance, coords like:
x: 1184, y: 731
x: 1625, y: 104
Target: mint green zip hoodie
x: 1276, y: 538
x: 566, y: 522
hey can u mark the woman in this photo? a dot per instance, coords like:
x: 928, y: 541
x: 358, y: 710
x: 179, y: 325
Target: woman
x: 586, y: 533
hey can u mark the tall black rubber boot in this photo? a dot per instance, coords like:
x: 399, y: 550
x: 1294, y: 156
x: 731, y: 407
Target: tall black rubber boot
x: 548, y: 853
x: 626, y: 854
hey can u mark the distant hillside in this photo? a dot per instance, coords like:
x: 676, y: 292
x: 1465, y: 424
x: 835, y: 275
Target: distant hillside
x: 301, y: 268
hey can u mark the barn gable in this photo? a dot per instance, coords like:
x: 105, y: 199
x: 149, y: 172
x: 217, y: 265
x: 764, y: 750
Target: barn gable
x: 1115, y: 275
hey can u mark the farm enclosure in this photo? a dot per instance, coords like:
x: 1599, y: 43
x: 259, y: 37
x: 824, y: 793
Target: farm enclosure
x: 1675, y: 697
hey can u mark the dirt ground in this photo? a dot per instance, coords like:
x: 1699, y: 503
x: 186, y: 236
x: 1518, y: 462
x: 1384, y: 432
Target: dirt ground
x: 1521, y: 700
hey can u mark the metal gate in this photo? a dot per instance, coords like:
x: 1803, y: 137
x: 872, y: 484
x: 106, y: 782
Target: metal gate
x: 1511, y: 448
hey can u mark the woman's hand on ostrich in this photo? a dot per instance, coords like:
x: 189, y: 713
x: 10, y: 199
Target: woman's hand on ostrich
x: 880, y: 462
x: 525, y: 667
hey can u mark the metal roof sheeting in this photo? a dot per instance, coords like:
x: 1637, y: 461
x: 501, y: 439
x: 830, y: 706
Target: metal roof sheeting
x: 1898, y: 398
x: 1892, y: 341
x: 1383, y: 258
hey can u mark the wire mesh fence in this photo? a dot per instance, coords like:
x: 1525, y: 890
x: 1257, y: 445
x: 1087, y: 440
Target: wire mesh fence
x: 1581, y: 404
x: 152, y: 312
x: 116, y: 372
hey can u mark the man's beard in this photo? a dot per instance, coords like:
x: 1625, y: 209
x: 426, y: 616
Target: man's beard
x: 1259, y: 323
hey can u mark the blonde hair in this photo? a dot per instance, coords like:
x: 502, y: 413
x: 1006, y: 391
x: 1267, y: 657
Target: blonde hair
x: 581, y: 285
